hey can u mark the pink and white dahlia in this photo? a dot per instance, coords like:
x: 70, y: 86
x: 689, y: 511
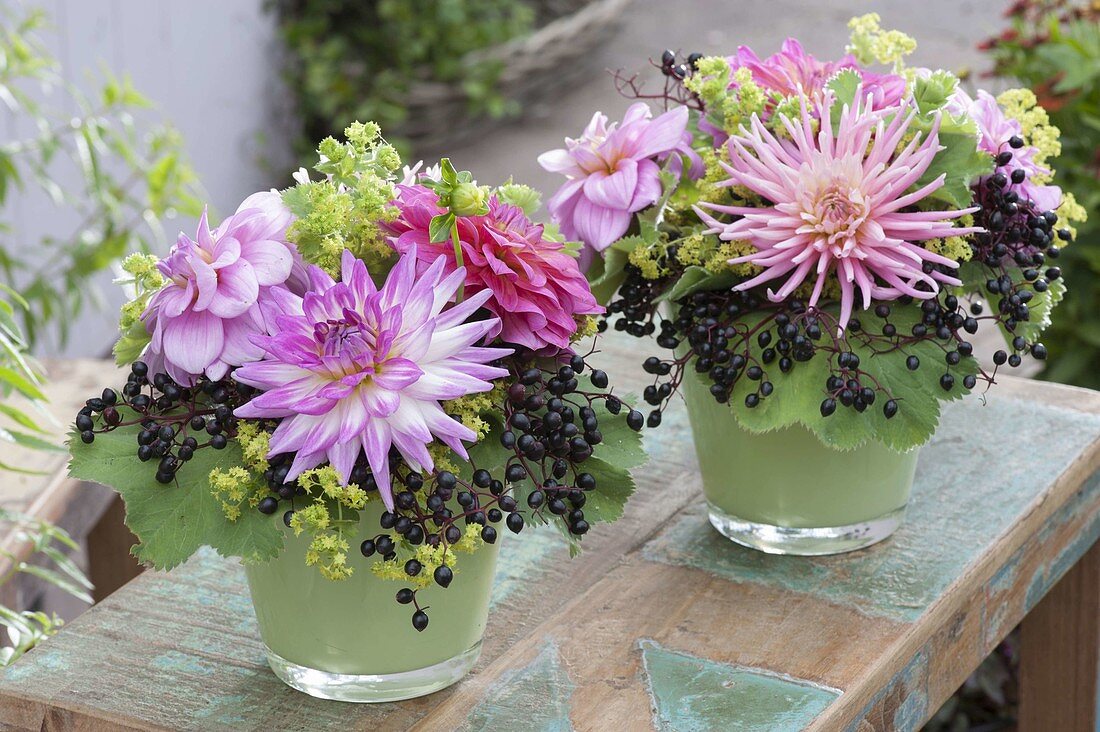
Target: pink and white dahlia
x: 352, y: 369
x: 613, y: 172
x: 534, y: 287
x: 202, y: 318
x: 792, y: 72
x: 995, y: 129
x: 838, y: 205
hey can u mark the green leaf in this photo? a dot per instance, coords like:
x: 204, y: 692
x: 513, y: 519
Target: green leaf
x: 440, y: 227
x: 606, y: 273
x: 22, y: 471
x: 614, y: 485
x: 28, y: 441
x: 798, y: 394
x: 932, y: 92
x: 697, y: 279
x: 448, y: 172
x: 21, y: 384
x: 19, y: 417
x: 960, y: 162
x: 57, y: 580
x: 172, y: 521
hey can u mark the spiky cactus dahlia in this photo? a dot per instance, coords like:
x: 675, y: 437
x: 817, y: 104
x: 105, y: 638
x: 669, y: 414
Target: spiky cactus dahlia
x: 839, y: 205
x: 353, y: 369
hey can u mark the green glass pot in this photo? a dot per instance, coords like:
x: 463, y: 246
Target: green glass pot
x: 350, y: 640
x: 786, y: 492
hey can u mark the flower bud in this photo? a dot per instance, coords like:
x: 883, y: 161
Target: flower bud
x: 468, y: 199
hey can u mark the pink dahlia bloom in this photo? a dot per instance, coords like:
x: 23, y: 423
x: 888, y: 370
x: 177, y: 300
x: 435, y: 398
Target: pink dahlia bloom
x: 613, y: 172
x: 792, y: 71
x: 202, y: 318
x: 352, y: 369
x: 533, y: 286
x: 839, y: 205
x: 994, y: 130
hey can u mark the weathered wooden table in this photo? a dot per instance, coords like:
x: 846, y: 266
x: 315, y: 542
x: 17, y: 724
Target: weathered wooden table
x: 663, y: 624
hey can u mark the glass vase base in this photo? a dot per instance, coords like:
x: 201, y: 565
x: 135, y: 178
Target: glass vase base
x: 374, y: 688
x: 807, y: 542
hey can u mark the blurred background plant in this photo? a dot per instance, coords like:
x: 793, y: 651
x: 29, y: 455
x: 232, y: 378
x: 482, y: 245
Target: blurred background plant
x: 1053, y: 46
x: 20, y: 376
x: 350, y: 60
x: 130, y: 177
x: 31, y: 546
x: 48, y: 561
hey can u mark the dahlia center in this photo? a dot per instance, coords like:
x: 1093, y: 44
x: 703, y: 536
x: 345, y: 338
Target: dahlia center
x: 836, y: 214
x: 348, y: 339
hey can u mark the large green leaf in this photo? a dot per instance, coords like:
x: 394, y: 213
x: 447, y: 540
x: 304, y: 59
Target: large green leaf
x: 172, y: 521
x: 607, y: 273
x: 697, y: 279
x: 960, y: 162
x: 798, y: 394
x: 614, y: 485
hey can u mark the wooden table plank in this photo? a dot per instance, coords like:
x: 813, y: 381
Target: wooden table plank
x: 661, y: 622
x: 1060, y: 653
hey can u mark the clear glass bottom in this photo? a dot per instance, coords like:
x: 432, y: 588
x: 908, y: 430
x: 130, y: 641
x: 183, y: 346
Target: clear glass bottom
x: 808, y: 542
x: 374, y: 687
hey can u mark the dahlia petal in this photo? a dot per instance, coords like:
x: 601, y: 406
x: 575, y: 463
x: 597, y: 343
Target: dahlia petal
x: 194, y: 340
x: 559, y: 161
x: 342, y: 457
x: 397, y: 374
x: 271, y: 260
x: 613, y: 190
x: 236, y: 291
x: 598, y: 226
x: 662, y: 133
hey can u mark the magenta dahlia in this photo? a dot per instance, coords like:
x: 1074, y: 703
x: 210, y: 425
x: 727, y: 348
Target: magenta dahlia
x: 353, y: 369
x: 838, y: 205
x: 202, y: 318
x: 530, y: 283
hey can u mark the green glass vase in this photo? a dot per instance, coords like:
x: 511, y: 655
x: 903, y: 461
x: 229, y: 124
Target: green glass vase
x: 786, y: 492
x: 350, y: 640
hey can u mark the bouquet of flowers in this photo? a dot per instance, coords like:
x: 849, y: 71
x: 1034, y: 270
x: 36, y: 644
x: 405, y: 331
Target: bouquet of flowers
x: 361, y: 345
x: 816, y: 242
x: 827, y: 237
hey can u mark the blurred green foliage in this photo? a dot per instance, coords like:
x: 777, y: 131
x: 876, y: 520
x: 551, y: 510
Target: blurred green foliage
x: 127, y: 177
x: 350, y: 60
x: 49, y: 562
x: 1053, y: 46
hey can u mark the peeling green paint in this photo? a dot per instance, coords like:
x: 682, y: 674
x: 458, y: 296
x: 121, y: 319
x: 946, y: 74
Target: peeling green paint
x: 967, y: 493
x: 521, y: 561
x: 534, y: 698
x: 691, y: 694
x: 906, y: 695
x: 1047, y: 575
x: 995, y: 611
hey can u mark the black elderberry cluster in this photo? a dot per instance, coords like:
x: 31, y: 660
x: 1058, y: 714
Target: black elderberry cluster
x: 176, y: 421
x: 674, y: 71
x: 670, y: 66
x: 1019, y: 237
x: 634, y: 307
x: 551, y: 429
